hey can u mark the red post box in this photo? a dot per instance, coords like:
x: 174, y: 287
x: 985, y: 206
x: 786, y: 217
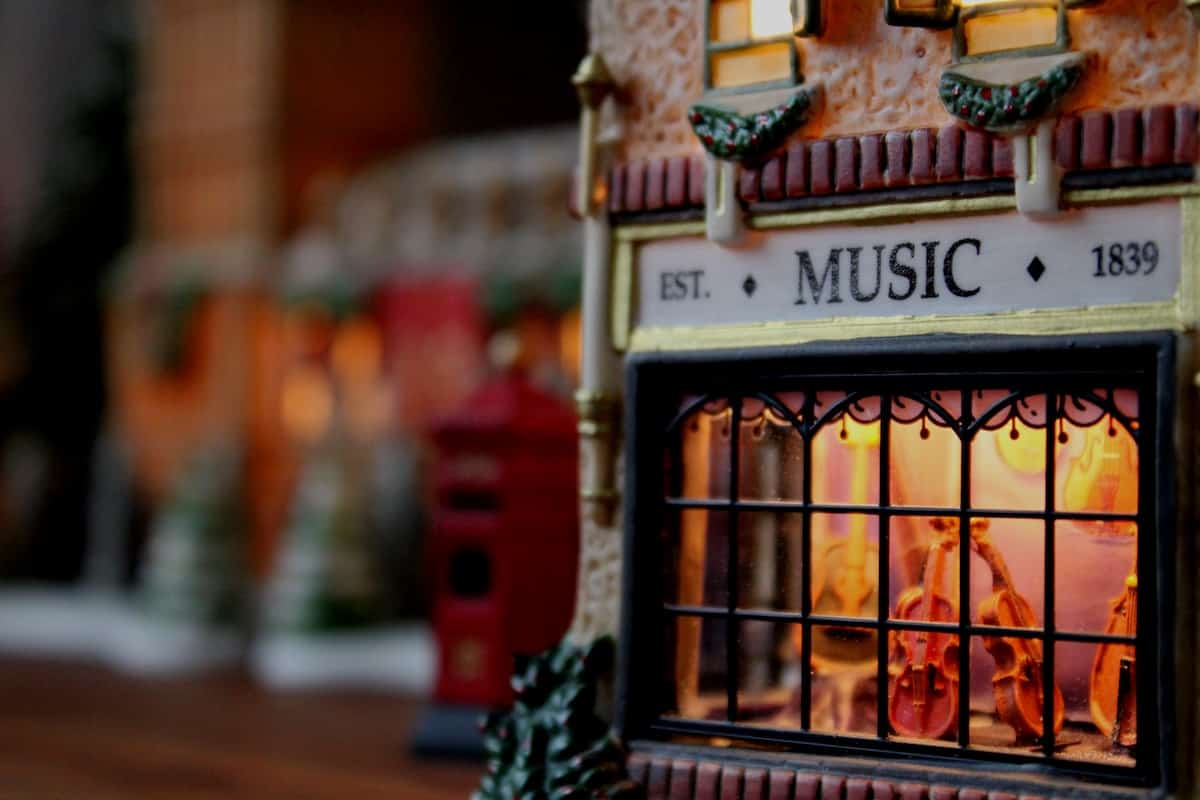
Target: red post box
x: 503, y: 545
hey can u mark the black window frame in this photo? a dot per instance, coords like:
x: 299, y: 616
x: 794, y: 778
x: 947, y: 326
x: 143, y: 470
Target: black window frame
x: 654, y: 380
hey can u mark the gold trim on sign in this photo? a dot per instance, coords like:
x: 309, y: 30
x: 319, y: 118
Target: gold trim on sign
x: 1093, y: 319
x: 1176, y: 315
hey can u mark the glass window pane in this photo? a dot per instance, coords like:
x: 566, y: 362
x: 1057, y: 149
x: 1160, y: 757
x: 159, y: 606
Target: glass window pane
x: 844, y: 693
x: 697, y: 558
x: 697, y: 674
x: 1011, y: 30
x: 729, y: 20
x: 845, y: 565
x: 925, y: 454
x: 770, y: 680
x: 1098, y: 684
x: 772, y: 456
x: 1008, y: 568
x: 770, y: 18
x: 923, y: 686
x: 924, y: 569
x: 1006, y: 695
x: 769, y: 556
x: 1097, y: 471
x: 698, y: 466
x: 846, y: 458
x: 757, y: 64
x: 1096, y: 578
x: 1008, y: 467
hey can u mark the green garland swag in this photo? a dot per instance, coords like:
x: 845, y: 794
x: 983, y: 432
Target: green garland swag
x: 552, y: 745
x: 734, y: 137
x: 1004, y: 107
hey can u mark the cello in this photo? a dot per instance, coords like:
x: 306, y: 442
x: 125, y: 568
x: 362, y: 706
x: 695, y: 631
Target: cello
x: 1017, y: 682
x: 924, y: 673
x: 1113, y: 686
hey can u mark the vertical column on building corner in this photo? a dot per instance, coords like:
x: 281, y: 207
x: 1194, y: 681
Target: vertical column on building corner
x: 597, y: 398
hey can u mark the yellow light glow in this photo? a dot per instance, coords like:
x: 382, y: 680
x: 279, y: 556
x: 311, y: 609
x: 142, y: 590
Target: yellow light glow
x: 770, y: 18
x: 307, y: 403
x: 357, y: 352
x: 1011, y: 30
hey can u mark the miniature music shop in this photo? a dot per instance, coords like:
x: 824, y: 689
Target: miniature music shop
x: 886, y: 417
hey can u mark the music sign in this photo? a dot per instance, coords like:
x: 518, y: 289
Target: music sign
x: 963, y: 265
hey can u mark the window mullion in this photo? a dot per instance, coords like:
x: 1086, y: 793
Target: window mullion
x: 732, y: 656
x: 806, y: 567
x: 964, y: 571
x: 1048, y: 575
x: 882, y: 583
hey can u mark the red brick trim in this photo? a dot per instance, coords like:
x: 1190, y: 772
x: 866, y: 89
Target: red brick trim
x: 1093, y: 140
x: 667, y: 778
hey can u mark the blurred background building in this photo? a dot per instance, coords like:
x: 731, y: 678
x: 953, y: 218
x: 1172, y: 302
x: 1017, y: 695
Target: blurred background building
x: 252, y: 252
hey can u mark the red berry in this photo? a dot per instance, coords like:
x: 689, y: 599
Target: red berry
x: 1041, y: 84
x: 1009, y: 109
x: 1014, y: 91
x: 987, y: 93
x: 964, y: 108
x: 696, y: 118
x: 708, y: 140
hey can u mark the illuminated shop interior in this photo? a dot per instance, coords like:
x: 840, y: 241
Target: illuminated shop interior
x: 779, y: 506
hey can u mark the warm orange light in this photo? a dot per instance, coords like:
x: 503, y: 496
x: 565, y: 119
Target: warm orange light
x: 307, y: 403
x: 357, y: 351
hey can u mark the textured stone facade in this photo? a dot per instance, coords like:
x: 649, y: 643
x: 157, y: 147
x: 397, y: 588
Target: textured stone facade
x: 1144, y: 51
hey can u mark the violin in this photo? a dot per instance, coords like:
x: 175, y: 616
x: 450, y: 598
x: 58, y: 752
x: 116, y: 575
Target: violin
x: 852, y: 586
x: 923, y: 695
x: 1017, y: 682
x: 1113, y: 685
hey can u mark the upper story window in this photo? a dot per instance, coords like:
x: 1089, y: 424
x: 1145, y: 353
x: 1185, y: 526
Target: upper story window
x: 750, y: 43
x: 987, y: 27
x: 961, y: 560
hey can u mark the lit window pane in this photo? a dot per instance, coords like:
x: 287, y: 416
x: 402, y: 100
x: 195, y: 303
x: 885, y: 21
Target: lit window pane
x: 1011, y: 30
x: 696, y: 648
x: 766, y: 62
x: 770, y: 680
x: 1098, y: 682
x: 729, y: 20
x: 770, y: 18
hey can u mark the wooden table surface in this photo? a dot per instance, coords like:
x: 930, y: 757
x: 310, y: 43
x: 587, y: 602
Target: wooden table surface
x: 73, y: 730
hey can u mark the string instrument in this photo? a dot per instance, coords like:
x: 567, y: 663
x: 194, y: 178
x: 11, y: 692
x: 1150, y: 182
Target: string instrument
x: 923, y: 665
x: 1017, y: 682
x: 852, y: 586
x: 1104, y: 477
x: 1113, y: 685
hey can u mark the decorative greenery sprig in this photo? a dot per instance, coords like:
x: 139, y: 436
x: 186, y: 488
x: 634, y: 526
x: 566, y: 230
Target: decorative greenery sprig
x: 1005, y: 107
x: 750, y: 138
x: 552, y: 745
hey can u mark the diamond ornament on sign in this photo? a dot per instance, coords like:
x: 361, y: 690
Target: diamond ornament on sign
x: 1036, y: 269
x: 749, y: 286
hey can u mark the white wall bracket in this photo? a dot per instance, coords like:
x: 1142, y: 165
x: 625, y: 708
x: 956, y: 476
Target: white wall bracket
x: 723, y: 221
x: 1038, y: 176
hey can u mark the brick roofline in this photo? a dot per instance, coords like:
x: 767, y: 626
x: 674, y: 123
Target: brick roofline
x: 1162, y: 135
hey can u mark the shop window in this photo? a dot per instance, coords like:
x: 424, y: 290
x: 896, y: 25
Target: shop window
x: 751, y: 42
x: 925, y: 563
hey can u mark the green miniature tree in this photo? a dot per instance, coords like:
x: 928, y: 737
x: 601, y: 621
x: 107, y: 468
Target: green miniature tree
x: 552, y: 745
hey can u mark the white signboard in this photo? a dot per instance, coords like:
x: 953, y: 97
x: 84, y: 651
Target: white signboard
x: 962, y: 265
